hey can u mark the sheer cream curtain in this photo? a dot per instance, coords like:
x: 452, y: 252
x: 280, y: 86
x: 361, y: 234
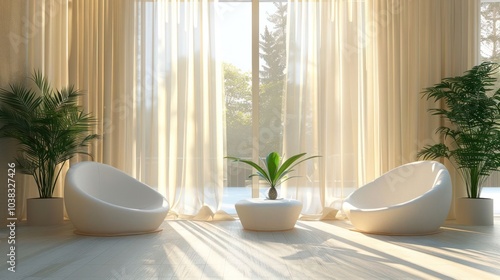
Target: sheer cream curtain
x: 354, y: 76
x: 13, y: 69
x: 152, y: 78
x: 47, y: 51
x: 414, y: 45
x: 101, y: 63
x: 180, y: 89
x: 155, y: 82
x: 37, y: 41
x: 324, y: 101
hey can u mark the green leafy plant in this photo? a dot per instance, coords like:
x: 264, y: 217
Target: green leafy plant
x: 471, y: 137
x: 49, y: 126
x: 275, y: 171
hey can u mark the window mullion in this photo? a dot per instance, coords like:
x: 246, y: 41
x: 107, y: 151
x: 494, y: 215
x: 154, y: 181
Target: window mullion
x: 255, y: 91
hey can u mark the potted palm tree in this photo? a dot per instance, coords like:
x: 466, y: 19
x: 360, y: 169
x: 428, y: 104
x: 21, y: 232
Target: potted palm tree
x: 471, y: 136
x: 275, y: 171
x: 50, y: 128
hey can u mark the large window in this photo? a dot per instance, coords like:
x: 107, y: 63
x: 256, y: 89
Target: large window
x: 490, y: 31
x: 247, y: 120
x: 490, y: 51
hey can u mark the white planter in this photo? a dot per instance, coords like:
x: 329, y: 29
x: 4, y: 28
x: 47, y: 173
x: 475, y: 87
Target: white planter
x: 45, y: 211
x: 474, y: 211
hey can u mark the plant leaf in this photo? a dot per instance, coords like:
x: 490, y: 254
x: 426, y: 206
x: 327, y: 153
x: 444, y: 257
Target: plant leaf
x: 260, y: 171
x: 272, y: 163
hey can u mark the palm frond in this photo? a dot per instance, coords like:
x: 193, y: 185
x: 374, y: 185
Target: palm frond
x: 275, y: 172
x: 472, y: 141
x: 260, y: 171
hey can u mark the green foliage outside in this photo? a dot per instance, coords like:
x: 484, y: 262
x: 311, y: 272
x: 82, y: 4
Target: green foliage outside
x: 272, y: 81
x: 490, y: 34
x: 238, y: 94
x: 238, y: 91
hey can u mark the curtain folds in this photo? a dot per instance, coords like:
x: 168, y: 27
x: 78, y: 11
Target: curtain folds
x: 155, y: 82
x: 324, y: 100
x: 44, y: 43
x: 414, y: 45
x: 355, y: 70
x: 13, y: 69
x: 181, y: 93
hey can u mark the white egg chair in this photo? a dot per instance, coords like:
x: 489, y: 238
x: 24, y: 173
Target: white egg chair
x: 412, y: 199
x: 102, y: 200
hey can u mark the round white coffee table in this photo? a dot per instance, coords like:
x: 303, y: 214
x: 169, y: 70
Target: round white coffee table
x: 268, y: 215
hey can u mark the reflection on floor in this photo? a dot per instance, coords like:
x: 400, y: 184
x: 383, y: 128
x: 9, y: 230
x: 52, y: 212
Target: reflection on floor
x: 223, y: 250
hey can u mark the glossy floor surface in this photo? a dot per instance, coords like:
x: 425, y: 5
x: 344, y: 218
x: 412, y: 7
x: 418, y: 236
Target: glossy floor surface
x: 223, y: 250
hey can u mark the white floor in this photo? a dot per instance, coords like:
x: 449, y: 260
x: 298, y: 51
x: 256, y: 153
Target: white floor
x: 223, y: 250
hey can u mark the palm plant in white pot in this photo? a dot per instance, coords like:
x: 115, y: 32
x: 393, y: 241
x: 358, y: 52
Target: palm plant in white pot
x: 50, y: 128
x: 471, y: 135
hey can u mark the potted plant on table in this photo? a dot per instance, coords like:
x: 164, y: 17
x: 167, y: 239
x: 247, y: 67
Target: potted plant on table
x: 471, y: 136
x: 275, y: 171
x: 50, y: 128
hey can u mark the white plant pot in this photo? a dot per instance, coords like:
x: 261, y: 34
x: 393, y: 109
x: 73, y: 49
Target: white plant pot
x: 45, y: 211
x: 474, y: 211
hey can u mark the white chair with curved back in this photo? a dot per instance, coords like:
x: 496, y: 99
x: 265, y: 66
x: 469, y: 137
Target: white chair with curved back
x: 102, y: 200
x: 411, y: 199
